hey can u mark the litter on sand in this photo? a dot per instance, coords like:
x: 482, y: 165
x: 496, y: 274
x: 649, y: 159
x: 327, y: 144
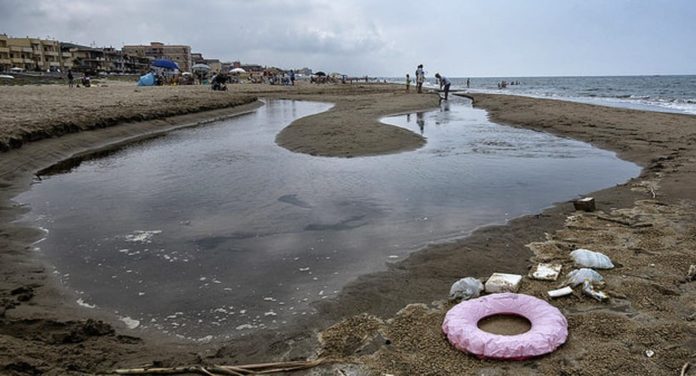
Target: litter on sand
x: 585, y: 204
x: 465, y: 289
x: 560, y: 292
x: 502, y: 282
x: 578, y: 276
x: 589, y: 290
x: 546, y: 272
x: 585, y: 258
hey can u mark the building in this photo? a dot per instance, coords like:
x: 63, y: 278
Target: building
x: 197, y: 58
x: 86, y: 59
x: 5, y: 61
x: 30, y: 54
x: 214, y: 64
x: 178, y: 53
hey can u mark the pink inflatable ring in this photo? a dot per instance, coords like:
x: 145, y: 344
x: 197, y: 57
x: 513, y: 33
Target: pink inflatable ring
x: 549, y: 327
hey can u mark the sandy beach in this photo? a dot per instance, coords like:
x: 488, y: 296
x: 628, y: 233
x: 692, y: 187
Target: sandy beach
x: 387, y: 322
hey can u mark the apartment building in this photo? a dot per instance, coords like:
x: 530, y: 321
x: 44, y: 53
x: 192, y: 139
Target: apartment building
x: 31, y: 54
x: 178, y: 53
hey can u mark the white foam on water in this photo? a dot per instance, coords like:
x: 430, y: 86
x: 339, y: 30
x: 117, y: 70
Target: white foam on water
x: 142, y: 236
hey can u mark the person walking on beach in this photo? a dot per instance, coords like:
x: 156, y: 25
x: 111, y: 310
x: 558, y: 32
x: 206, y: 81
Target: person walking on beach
x: 444, y: 82
x: 467, y: 83
x: 420, y: 78
x: 408, y: 82
x: 71, y: 78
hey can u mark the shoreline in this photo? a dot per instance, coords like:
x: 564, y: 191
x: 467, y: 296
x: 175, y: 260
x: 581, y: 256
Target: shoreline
x: 381, y: 294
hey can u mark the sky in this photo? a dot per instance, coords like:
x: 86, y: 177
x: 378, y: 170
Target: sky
x: 459, y: 38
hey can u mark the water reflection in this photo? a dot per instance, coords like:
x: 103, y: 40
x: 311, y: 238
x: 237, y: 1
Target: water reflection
x: 218, y: 231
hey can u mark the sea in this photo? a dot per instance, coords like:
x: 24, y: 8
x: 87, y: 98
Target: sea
x: 675, y: 94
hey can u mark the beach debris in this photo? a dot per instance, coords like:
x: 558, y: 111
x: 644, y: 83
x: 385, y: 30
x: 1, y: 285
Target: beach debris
x: 237, y: 370
x: 691, y: 274
x: 589, y: 290
x: 578, y: 276
x: 130, y: 323
x: 560, y: 292
x: 684, y: 368
x: 585, y: 258
x: 649, y: 353
x: 465, y: 289
x: 546, y: 272
x: 585, y: 204
x: 502, y: 282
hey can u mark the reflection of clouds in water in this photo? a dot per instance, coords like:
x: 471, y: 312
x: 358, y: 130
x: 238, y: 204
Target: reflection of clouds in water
x: 257, y: 221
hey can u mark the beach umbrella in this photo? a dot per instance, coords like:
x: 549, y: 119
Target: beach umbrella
x: 186, y: 74
x: 237, y: 70
x: 320, y: 73
x: 164, y: 63
x: 200, y: 67
x: 17, y: 69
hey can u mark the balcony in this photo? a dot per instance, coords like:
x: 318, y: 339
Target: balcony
x: 27, y: 49
x: 5, y: 61
x: 17, y: 60
x: 4, y: 49
x: 66, y: 54
x: 50, y: 53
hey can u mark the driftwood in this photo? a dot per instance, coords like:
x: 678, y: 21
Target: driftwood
x: 684, y: 369
x: 216, y: 370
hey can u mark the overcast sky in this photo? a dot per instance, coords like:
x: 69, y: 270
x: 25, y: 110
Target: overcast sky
x: 389, y: 38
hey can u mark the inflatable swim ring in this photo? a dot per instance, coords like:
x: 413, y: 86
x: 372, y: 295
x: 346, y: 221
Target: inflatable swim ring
x: 549, y: 327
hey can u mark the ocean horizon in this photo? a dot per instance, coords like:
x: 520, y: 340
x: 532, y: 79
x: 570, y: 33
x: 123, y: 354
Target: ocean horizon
x: 660, y: 93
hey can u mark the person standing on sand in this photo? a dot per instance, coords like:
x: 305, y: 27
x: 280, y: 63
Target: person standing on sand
x: 71, y: 78
x: 408, y: 82
x: 444, y: 82
x: 420, y: 78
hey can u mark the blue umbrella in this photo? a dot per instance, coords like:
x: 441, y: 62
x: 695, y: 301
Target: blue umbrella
x: 164, y: 63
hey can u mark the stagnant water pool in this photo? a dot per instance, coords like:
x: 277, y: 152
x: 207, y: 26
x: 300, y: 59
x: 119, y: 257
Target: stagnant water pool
x: 217, y: 231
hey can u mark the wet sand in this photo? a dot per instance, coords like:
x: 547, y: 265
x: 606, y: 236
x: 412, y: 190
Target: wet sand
x: 647, y: 226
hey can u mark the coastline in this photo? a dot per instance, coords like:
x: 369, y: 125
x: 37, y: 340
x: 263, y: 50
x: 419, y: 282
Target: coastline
x: 420, y: 278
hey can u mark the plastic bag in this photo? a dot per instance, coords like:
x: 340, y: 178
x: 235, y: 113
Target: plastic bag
x: 465, y: 289
x: 578, y: 276
x: 585, y: 258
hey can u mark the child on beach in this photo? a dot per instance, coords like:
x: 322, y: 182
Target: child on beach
x: 408, y: 82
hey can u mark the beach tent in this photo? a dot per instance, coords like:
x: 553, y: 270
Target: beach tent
x: 237, y: 70
x: 17, y: 69
x: 320, y: 73
x: 147, y: 80
x: 164, y: 63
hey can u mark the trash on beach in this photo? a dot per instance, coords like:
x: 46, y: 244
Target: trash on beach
x: 560, y: 292
x: 691, y: 274
x: 147, y: 80
x: 649, y: 353
x: 546, y: 272
x: 502, y: 282
x: 549, y: 328
x: 578, y: 276
x: 585, y: 258
x: 465, y: 289
x: 589, y: 290
x: 585, y: 204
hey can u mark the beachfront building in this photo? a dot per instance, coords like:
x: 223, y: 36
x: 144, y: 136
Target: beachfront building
x: 180, y: 54
x: 214, y: 64
x: 30, y: 54
x: 87, y: 59
x: 5, y: 62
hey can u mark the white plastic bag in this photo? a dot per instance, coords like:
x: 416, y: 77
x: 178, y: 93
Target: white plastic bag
x: 465, y: 289
x: 578, y: 276
x: 585, y: 258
